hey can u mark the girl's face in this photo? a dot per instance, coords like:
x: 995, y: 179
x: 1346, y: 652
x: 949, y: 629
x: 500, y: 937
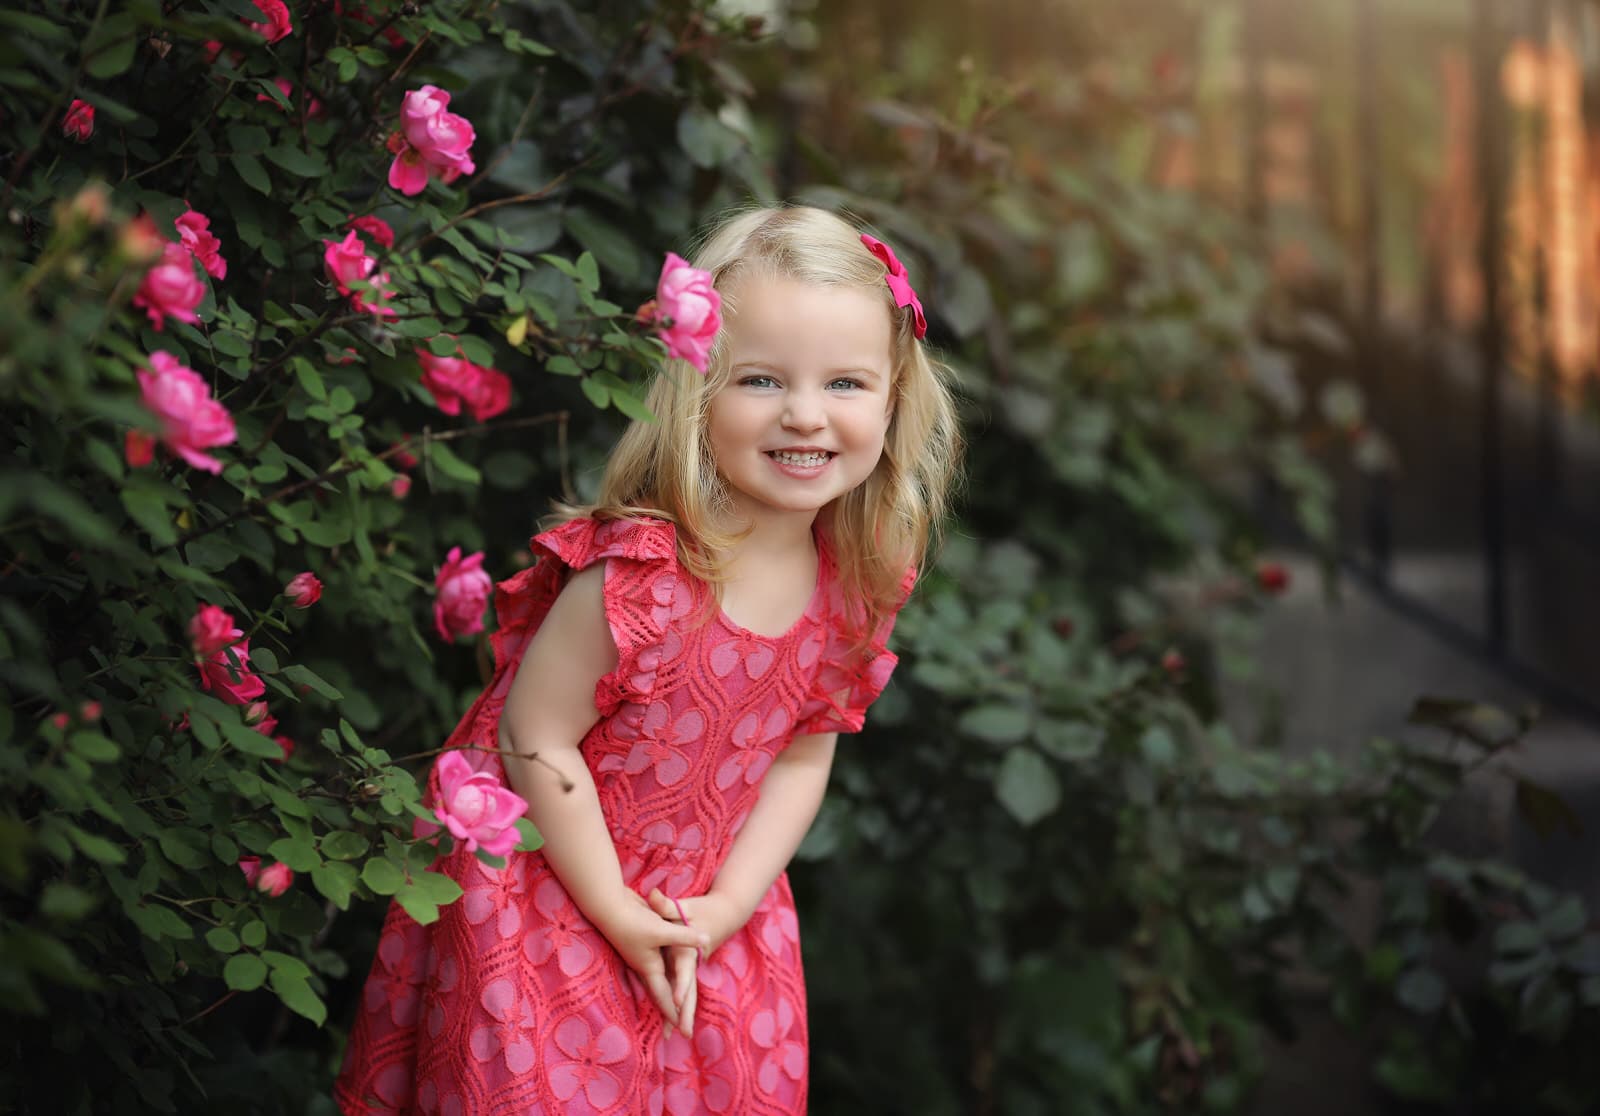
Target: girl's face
x: 802, y: 418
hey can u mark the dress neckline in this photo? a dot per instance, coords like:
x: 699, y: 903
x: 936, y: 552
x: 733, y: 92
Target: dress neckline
x: 823, y: 558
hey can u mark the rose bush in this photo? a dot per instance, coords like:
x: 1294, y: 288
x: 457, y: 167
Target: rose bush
x: 254, y: 394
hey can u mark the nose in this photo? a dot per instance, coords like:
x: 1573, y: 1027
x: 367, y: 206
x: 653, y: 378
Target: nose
x: 803, y: 411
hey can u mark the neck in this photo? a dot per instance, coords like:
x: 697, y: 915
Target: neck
x: 773, y: 532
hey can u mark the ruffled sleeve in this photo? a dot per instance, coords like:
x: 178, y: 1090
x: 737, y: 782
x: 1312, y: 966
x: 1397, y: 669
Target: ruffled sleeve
x: 850, y: 678
x: 643, y: 593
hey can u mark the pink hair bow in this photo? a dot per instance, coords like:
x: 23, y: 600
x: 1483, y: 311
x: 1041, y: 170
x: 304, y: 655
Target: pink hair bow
x: 899, y: 282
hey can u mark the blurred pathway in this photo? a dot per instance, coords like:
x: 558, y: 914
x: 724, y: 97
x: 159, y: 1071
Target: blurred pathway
x: 1347, y: 670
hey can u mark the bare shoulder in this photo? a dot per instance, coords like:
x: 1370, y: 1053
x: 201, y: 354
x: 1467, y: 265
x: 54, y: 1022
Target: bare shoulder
x: 576, y: 622
x: 551, y: 700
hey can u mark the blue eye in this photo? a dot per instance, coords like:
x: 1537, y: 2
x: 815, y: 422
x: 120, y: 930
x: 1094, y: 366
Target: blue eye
x: 757, y: 381
x: 846, y: 381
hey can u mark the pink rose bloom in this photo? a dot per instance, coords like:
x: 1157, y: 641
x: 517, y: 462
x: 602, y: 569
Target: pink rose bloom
x: 194, y: 231
x: 218, y: 672
x: 251, y: 867
x: 431, y: 141
x: 275, y: 879
x: 303, y: 590
x: 476, y: 808
x: 139, y: 242
x: 347, y: 262
x: 139, y: 448
x: 190, y: 420
x: 60, y: 720
x: 688, y: 311
x: 456, y: 380
x: 171, y: 289
x: 286, y: 744
x: 90, y: 711
x: 375, y: 227
x: 257, y: 717
x: 277, y: 25
x: 78, y: 123
x: 461, y: 590
x: 210, y: 630
x: 400, y: 486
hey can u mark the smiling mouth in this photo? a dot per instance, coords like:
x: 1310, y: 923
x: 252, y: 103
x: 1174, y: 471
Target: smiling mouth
x: 810, y: 457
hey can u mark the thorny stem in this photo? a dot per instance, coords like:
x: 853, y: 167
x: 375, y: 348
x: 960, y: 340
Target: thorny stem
x: 567, y: 786
x: 252, y: 507
x: 538, y: 195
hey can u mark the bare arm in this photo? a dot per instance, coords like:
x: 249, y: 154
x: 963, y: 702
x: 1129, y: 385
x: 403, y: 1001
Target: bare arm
x: 791, y: 793
x: 548, y: 710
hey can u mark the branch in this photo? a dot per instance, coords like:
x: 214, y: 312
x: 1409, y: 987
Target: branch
x: 252, y: 507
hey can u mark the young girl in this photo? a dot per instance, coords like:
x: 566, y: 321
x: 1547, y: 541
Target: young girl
x: 671, y: 678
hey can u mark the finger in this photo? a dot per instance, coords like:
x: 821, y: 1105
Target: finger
x: 661, y: 992
x: 663, y: 906
x: 682, y: 977
x: 686, y: 1011
x: 677, y: 934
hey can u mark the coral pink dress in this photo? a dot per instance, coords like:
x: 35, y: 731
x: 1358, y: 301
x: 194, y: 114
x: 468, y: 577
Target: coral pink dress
x: 512, y: 1002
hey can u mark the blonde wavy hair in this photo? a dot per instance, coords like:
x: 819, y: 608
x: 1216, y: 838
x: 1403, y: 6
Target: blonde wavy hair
x: 878, y: 529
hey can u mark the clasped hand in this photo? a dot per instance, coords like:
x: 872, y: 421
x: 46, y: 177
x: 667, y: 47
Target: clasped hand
x: 664, y: 942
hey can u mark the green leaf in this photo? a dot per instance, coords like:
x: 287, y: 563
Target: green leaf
x: 96, y: 848
x: 996, y: 723
x: 706, y: 140
x: 631, y: 406
x: 285, y: 963
x: 1026, y: 786
x: 532, y: 839
x: 35, y: 27
x: 418, y: 906
x: 384, y: 877
x: 144, y: 503
x: 336, y: 882
x: 244, y: 972
x: 1158, y: 746
x: 249, y: 169
x: 519, y: 167
x: 223, y: 940
x: 300, y: 855
x: 110, y: 59
x: 344, y: 844
x: 610, y: 246
x: 1421, y: 990
x: 436, y: 887
x: 310, y: 379
x: 94, y: 747
x: 254, y: 934
x: 176, y: 848
x: 1564, y: 920
x: 298, y: 996
x: 156, y: 922
x: 445, y: 460
x: 1517, y: 937
x: 296, y: 161
x: 596, y: 392
x: 1546, y: 810
x: 304, y: 676
x: 65, y: 902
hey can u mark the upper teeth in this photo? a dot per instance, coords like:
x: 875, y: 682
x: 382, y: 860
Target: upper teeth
x: 814, y: 457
